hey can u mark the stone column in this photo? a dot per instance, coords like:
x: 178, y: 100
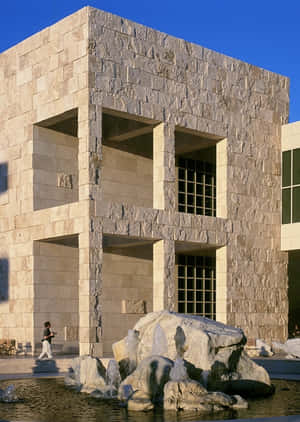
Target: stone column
x: 221, y: 182
x: 90, y: 290
x: 164, y: 291
x: 164, y: 196
x: 90, y: 245
x: 221, y: 284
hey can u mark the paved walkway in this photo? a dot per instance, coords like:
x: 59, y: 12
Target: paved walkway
x: 27, y: 366
x: 14, y: 367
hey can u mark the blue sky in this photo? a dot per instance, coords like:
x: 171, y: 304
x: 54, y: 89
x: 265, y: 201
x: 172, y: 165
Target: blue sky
x: 265, y: 33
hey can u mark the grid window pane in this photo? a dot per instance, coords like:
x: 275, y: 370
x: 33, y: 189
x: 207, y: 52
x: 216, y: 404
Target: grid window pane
x: 181, y: 174
x: 196, y: 187
x: 296, y: 166
x: 190, y: 308
x: 181, y: 187
x: 181, y: 283
x: 181, y: 308
x: 181, y: 295
x: 296, y: 204
x: 286, y: 168
x: 197, y: 285
x: 190, y: 295
x: 286, y: 206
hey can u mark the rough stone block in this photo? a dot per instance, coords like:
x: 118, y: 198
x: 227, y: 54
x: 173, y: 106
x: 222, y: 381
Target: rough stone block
x: 64, y: 181
x: 71, y: 333
x: 133, y: 306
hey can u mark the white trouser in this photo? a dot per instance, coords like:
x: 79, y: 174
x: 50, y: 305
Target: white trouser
x: 46, y: 350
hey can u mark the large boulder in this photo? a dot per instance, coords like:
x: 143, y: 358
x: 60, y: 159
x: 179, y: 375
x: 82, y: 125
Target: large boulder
x: 140, y: 402
x: 245, y: 378
x: 87, y: 375
x: 210, y: 346
x: 149, y: 379
x: 191, y: 395
x: 185, y: 395
x: 204, y: 338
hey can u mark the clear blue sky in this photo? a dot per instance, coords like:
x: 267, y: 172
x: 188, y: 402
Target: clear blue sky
x: 265, y: 33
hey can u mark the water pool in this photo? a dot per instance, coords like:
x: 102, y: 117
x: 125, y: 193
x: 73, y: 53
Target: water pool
x: 47, y: 400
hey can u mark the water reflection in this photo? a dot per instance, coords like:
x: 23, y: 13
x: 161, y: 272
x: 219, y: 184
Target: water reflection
x: 47, y: 400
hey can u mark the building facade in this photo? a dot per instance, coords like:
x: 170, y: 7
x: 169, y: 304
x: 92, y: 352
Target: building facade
x: 290, y: 230
x: 138, y: 172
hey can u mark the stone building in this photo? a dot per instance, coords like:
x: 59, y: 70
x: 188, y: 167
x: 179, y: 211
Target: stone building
x: 290, y: 230
x: 138, y: 172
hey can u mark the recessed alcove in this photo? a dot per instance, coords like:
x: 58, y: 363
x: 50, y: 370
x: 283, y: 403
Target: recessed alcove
x: 127, y: 165
x: 55, y: 161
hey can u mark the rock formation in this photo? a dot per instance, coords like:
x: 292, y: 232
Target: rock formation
x: 214, y: 349
x: 88, y: 375
x: 205, y: 368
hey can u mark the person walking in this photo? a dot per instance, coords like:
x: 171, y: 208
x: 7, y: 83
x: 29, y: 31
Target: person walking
x: 46, y: 341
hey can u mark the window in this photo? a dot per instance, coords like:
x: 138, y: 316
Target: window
x: 291, y: 186
x: 196, y: 187
x: 197, y: 285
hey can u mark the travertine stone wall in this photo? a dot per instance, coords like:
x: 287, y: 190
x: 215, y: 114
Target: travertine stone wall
x: 127, y: 275
x: 43, y: 76
x: 56, y: 292
x: 146, y: 73
x: 55, y: 160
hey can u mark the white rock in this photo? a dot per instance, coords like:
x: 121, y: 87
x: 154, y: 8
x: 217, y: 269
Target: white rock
x: 264, y: 349
x: 87, y: 374
x: 190, y: 395
x: 249, y: 370
x: 240, y: 402
x: 140, y: 402
x: 204, y: 337
x: 292, y: 347
x: 208, y: 344
x: 278, y: 347
x: 150, y: 377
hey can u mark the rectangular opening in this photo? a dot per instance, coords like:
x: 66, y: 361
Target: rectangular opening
x: 196, y: 282
x: 127, y: 285
x: 127, y: 165
x: 196, y: 172
x: 55, y: 161
x: 294, y: 291
x: 56, y: 287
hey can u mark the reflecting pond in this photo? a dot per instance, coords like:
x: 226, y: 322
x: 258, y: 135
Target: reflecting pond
x: 47, y: 400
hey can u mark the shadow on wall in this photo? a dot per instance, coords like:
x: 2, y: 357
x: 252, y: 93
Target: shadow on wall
x: 4, y: 274
x: 3, y: 177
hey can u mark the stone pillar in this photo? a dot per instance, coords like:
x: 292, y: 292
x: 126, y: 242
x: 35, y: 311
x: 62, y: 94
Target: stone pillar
x: 90, y: 290
x: 221, y: 284
x: 221, y: 182
x: 164, y: 290
x: 90, y: 245
x: 164, y: 196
